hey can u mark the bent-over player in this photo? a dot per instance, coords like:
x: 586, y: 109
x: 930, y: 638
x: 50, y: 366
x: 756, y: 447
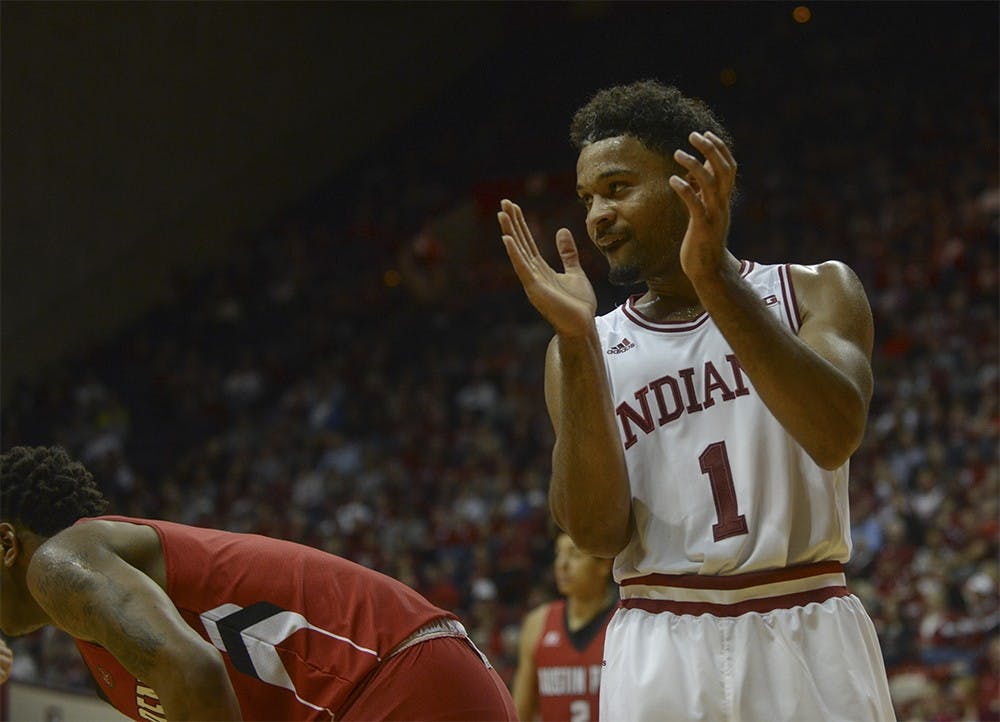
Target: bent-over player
x: 184, y: 623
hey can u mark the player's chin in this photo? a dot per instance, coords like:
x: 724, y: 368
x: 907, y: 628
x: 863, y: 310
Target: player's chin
x: 622, y: 273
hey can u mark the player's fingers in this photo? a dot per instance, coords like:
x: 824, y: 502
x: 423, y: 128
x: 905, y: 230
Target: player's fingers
x: 723, y: 148
x: 509, y: 210
x: 505, y: 220
x: 530, y: 263
x: 567, y: 249
x: 517, y: 215
x: 522, y: 266
x: 509, y: 228
x: 687, y: 194
x: 701, y: 172
x: 722, y: 166
x: 709, y: 149
x: 506, y: 225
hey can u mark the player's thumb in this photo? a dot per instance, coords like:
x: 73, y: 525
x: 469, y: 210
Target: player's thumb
x: 567, y: 249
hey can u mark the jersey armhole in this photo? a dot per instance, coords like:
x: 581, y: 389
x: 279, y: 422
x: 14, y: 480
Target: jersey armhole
x: 789, y: 301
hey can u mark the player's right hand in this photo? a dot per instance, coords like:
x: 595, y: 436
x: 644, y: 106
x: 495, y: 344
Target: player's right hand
x: 6, y: 661
x: 567, y: 299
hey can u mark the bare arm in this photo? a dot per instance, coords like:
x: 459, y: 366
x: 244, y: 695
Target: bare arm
x: 90, y: 592
x: 525, y: 687
x: 589, y: 491
x: 818, y: 384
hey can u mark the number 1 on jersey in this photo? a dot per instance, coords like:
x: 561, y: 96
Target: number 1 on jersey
x: 715, y: 462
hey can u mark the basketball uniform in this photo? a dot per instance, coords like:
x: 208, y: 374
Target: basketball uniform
x: 734, y: 601
x: 568, y: 666
x: 305, y: 635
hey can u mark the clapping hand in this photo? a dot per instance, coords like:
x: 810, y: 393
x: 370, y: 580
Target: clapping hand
x: 566, y: 299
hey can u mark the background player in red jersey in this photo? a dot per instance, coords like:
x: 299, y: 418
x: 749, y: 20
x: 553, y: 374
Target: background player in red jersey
x: 184, y: 623
x: 562, y: 642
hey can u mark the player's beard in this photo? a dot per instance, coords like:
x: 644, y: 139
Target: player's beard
x: 643, y: 263
x: 625, y: 268
x: 624, y: 274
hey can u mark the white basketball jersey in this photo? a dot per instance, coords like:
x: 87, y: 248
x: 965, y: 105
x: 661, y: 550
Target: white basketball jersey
x: 718, y: 486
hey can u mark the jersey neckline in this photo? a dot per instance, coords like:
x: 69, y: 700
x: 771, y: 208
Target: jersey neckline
x: 640, y: 319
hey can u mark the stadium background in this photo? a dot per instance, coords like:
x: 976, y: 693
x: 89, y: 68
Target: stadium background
x: 251, y: 275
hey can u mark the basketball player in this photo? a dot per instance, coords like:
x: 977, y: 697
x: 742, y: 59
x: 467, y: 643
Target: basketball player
x: 562, y: 642
x: 703, y: 431
x: 182, y: 623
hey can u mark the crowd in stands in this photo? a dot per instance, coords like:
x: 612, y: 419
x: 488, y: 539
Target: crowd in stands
x: 372, y: 385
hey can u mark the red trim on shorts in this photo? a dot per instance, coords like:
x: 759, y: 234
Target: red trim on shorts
x: 768, y: 604
x: 736, y: 581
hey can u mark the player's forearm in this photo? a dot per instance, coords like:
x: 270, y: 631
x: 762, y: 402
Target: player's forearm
x: 819, y: 405
x: 589, y: 493
x: 198, y: 690
x: 524, y: 694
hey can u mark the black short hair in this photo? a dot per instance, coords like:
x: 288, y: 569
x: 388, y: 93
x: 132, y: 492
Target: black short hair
x: 658, y: 115
x: 45, y: 490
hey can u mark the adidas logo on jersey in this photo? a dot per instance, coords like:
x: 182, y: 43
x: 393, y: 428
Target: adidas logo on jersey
x: 621, y: 347
x: 551, y: 638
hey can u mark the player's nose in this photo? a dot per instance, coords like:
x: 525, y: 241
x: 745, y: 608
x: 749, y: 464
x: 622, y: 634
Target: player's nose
x: 600, y: 214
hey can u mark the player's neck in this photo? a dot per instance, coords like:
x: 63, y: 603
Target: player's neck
x: 672, y: 297
x: 669, y: 298
x: 666, y: 308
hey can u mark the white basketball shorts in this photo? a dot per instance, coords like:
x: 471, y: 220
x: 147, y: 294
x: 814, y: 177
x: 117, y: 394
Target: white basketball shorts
x: 798, y: 649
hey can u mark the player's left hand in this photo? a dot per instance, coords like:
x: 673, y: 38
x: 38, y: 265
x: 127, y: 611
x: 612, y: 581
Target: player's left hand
x: 707, y: 199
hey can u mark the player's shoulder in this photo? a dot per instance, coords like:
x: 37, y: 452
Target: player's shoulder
x: 82, y: 535
x: 67, y: 558
x: 827, y: 272
x: 538, y: 614
x: 88, y: 538
x: 532, y: 625
x: 831, y: 286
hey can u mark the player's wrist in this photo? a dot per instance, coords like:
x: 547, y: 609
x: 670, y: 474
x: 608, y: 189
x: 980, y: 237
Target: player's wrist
x: 577, y: 333
x: 713, y: 281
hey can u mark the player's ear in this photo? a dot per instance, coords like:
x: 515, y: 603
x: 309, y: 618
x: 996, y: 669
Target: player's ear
x: 9, y: 544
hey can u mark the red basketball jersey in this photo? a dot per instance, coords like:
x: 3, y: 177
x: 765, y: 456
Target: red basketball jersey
x: 299, y: 629
x: 569, y: 666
